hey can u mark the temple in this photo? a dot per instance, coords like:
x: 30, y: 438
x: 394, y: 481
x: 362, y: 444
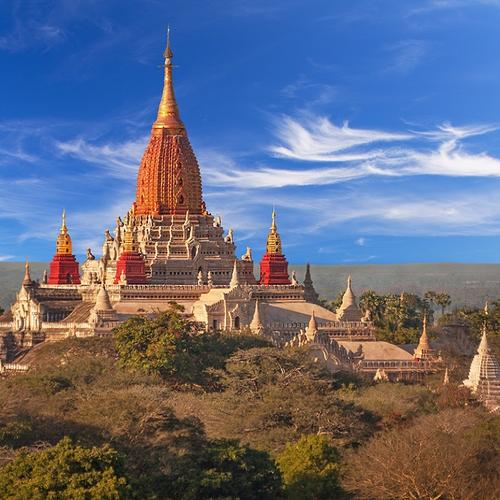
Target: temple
x: 169, y: 248
x: 484, y: 375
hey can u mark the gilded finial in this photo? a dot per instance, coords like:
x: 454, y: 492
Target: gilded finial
x: 64, y: 228
x: 64, y: 245
x: 168, y: 119
x: 273, y: 239
x: 273, y: 223
x: 168, y: 54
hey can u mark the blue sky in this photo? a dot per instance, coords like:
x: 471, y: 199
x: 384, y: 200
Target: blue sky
x: 372, y: 126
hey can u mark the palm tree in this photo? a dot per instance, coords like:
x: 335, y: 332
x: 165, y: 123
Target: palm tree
x: 443, y: 300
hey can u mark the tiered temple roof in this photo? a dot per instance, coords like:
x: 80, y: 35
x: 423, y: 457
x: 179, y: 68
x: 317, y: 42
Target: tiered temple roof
x: 169, y: 180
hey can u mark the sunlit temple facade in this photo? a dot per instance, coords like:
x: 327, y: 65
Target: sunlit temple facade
x: 170, y: 248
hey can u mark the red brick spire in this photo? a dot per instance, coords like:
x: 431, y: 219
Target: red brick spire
x: 64, y: 268
x: 169, y: 180
x: 274, y: 266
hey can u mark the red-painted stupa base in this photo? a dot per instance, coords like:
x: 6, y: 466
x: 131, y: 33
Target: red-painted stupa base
x: 274, y: 270
x: 131, y: 264
x: 64, y: 270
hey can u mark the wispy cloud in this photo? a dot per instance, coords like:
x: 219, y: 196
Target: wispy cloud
x: 434, y: 5
x: 118, y: 159
x: 316, y: 138
x: 406, y: 55
x: 318, y: 94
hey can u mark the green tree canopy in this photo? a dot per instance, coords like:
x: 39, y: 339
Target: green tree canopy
x: 227, y: 469
x: 65, y: 471
x: 176, y: 348
x: 310, y: 469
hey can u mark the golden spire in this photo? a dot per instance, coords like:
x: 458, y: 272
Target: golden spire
x: 64, y: 229
x: 64, y: 245
x: 168, y: 118
x: 273, y: 239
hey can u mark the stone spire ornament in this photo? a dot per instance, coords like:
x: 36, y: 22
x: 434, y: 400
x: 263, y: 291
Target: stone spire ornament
x: 235, y: 280
x: 484, y: 375
x: 424, y: 350
x: 27, y: 281
x: 103, y: 311
x: 349, y: 310
x: 256, y: 325
x: 312, y: 327
x: 310, y: 293
x: 102, y: 302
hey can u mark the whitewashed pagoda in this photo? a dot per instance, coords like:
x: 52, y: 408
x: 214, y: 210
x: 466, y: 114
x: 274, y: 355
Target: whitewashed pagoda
x: 484, y: 375
x: 170, y: 248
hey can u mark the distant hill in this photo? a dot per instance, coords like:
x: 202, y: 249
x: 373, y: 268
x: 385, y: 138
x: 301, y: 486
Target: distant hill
x: 470, y: 284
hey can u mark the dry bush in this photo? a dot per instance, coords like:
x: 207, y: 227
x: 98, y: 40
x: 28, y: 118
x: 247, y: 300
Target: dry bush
x: 452, y: 455
x: 393, y: 402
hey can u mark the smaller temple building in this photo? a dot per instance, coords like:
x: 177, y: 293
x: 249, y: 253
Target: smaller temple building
x: 484, y: 376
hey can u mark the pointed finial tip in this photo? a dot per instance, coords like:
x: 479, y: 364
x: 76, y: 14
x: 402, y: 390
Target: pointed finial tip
x: 168, y: 54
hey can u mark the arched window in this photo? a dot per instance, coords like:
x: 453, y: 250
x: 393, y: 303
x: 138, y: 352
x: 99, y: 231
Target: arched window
x: 214, y: 324
x: 237, y: 323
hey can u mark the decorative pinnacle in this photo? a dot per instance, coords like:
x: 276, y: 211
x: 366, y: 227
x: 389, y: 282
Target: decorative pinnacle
x: 27, y: 276
x: 168, y: 54
x: 168, y: 118
x: 235, y: 281
x: 483, y: 345
x: 273, y: 245
x: 64, y: 228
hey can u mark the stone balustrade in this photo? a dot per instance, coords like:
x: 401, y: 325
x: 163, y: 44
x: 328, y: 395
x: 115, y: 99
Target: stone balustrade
x: 13, y: 367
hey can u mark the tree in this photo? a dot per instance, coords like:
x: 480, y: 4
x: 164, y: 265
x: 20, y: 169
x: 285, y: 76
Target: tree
x: 443, y: 300
x: 446, y: 455
x: 273, y: 396
x: 65, y: 471
x: 175, y: 348
x: 226, y: 469
x: 310, y: 469
x: 371, y: 301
